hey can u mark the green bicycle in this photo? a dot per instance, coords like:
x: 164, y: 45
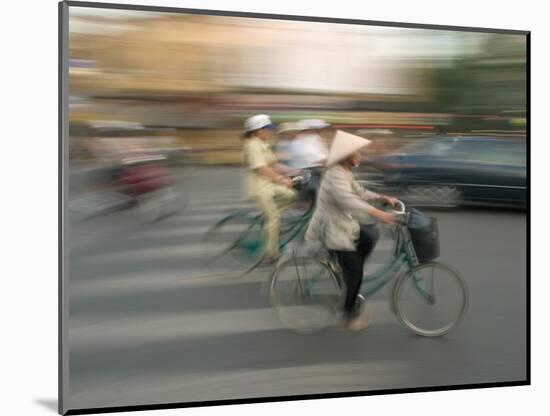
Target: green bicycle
x: 307, y: 289
x: 239, y: 238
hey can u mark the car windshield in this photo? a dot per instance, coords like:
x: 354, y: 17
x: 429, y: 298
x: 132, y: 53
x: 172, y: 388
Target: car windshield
x: 510, y: 152
x: 427, y: 147
x: 505, y: 151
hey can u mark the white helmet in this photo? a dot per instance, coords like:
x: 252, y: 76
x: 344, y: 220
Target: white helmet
x: 311, y: 124
x: 257, y: 122
x: 287, y: 127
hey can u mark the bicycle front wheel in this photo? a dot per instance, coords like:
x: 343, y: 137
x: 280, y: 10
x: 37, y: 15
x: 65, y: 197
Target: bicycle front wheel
x: 235, y: 241
x: 431, y: 299
x: 306, y: 295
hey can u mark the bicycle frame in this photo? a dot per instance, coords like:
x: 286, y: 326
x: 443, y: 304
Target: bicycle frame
x: 405, y: 256
x: 296, y: 227
x: 374, y: 282
x: 253, y: 246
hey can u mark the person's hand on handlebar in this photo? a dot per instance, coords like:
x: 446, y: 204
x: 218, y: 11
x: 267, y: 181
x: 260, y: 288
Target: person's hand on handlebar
x: 285, y: 181
x: 388, y: 200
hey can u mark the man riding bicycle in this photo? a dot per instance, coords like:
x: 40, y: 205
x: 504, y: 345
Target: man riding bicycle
x: 266, y: 182
x: 309, y: 151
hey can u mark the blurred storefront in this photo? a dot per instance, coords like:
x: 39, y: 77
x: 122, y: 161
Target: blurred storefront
x: 201, y: 76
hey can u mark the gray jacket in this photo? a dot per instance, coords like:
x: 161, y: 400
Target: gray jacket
x: 341, y: 206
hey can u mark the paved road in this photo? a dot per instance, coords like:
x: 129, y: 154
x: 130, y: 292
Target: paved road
x: 150, y: 324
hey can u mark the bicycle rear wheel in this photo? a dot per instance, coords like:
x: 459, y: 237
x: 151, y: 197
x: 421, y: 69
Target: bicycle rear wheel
x: 235, y: 241
x: 431, y: 299
x: 306, y: 295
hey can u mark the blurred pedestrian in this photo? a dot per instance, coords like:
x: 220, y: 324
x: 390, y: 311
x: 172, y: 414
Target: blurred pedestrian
x: 344, y: 221
x: 286, y: 133
x: 266, y: 182
x: 309, y: 149
x: 309, y: 152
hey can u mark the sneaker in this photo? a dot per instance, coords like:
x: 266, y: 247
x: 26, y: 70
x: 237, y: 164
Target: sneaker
x: 357, y: 324
x: 361, y: 320
x: 268, y: 261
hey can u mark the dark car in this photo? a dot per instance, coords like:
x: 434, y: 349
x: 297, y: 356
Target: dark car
x: 453, y: 171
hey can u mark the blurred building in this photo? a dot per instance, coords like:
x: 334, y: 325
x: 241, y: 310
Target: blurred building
x: 202, y: 75
x: 175, y: 54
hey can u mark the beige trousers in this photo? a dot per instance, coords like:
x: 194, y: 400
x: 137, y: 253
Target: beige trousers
x: 273, y: 200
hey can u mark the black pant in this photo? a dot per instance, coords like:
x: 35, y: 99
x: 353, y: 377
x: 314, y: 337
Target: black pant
x: 352, y: 263
x: 310, y: 191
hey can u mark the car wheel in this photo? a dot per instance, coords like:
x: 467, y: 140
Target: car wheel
x: 433, y: 195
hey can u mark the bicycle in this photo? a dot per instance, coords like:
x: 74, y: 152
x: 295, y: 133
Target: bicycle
x: 430, y: 298
x: 246, y: 246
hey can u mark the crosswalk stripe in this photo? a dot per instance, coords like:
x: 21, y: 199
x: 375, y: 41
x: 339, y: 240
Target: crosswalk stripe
x: 307, y: 378
x: 184, y: 232
x: 140, y: 282
x: 155, y: 253
x: 192, y: 217
x: 212, y: 213
x: 230, y: 197
x: 188, y: 230
x: 89, y: 334
x: 193, y: 208
x: 183, y: 251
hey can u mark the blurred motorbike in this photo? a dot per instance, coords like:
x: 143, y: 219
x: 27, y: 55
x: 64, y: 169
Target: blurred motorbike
x: 140, y: 182
x: 147, y: 181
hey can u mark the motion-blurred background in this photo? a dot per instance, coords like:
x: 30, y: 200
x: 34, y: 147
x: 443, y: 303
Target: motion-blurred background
x: 202, y: 75
x: 185, y: 83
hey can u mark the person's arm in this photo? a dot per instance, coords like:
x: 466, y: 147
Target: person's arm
x: 271, y: 174
x: 284, y: 169
x: 281, y: 150
x: 257, y: 162
x: 367, y: 195
x: 349, y: 201
x: 388, y: 199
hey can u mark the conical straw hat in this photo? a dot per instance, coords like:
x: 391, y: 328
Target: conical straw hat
x: 343, y: 146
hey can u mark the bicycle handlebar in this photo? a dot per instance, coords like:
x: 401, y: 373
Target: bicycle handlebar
x: 400, y: 213
x: 302, y: 178
x: 402, y: 210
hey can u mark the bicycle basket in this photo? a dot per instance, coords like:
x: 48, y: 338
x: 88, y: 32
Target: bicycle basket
x: 424, y: 236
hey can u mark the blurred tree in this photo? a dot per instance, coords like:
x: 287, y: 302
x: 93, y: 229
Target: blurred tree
x: 450, y: 85
x: 491, y: 82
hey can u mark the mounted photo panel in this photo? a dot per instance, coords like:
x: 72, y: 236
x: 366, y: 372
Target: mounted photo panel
x: 259, y: 208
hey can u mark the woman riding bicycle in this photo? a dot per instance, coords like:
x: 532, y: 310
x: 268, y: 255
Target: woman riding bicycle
x: 345, y: 222
x: 265, y: 181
